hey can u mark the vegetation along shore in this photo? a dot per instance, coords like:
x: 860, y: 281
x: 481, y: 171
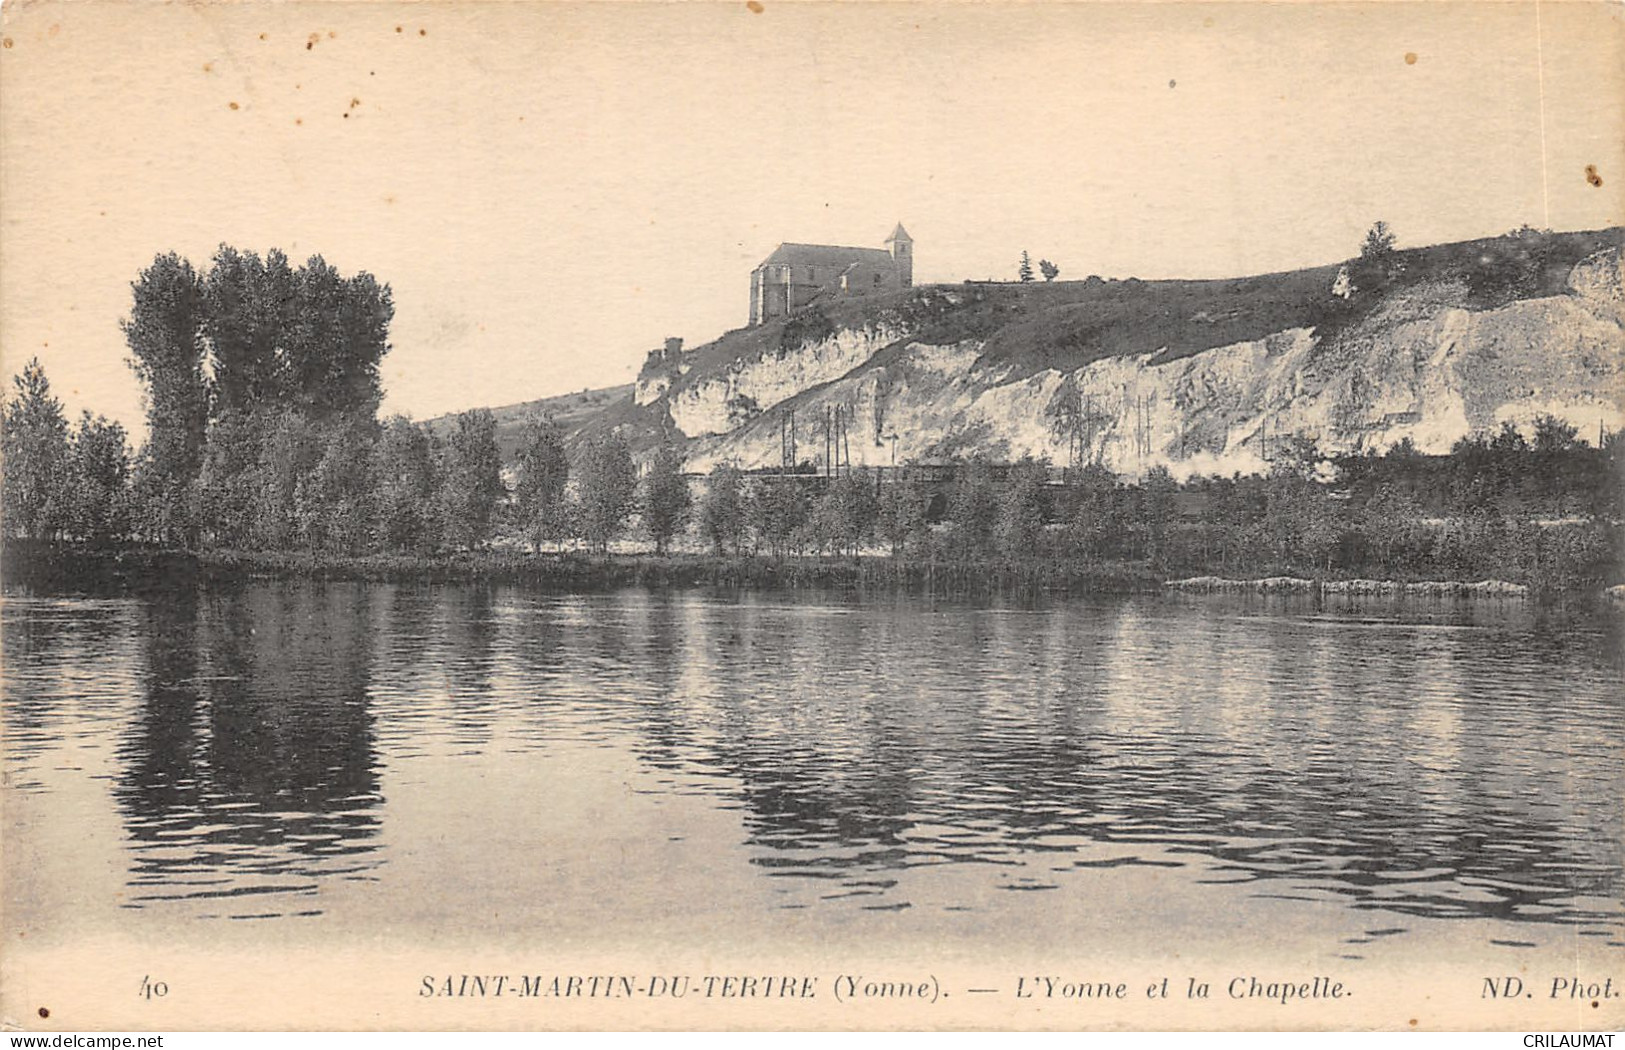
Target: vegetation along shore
x: 265, y: 456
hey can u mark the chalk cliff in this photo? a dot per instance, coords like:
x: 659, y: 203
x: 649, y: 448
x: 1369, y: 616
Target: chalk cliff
x: 1118, y: 371
x: 1431, y: 344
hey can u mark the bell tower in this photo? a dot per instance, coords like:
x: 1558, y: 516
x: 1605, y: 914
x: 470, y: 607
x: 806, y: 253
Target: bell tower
x: 901, y: 246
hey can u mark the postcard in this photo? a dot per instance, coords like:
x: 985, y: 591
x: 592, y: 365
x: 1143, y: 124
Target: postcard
x: 780, y: 516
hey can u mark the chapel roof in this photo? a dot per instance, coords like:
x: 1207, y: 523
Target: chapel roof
x: 825, y: 255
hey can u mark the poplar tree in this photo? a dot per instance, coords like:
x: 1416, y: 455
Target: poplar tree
x: 666, y: 500
x: 471, y: 480
x: 543, y: 472
x: 607, y: 488
x: 35, y: 447
x: 165, y: 335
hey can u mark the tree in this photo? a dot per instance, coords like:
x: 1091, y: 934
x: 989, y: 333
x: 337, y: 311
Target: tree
x: 1090, y: 509
x: 248, y: 306
x: 903, y: 506
x: 471, y: 480
x: 1403, y: 450
x: 542, y: 473
x: 99, y: 476
x: 1508, y: 439
x: 974, y: 508
x: 847, y: 512
x: 722, y: 511
x: 165, y: 335
x: 1555, y: 435
x: 336, y: 500
x: 1025, y: 270
x: 1048, y: 269
x: 666, y: 500
x: 606, y: 490
x: 36, y: 495
x: 776, y: 509
x: 289, y: 451
x: 1379, y: 241
x: 339, y: 335
x: 1021, y: 510
x: 1390, y: 528
x: 405, y: 476
x: 1297, y: 457
x: 229, y: 482
x: 1158, y: 493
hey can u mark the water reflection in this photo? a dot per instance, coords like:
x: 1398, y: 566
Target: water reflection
x: 1412, y: 770
x: 250, y: 775
x: 1445, y: 763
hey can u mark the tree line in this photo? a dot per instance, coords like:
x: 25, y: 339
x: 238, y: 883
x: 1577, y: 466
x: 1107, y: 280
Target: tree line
x: 1544, y: 513
x: 261, y: 382
x: 348, y: 485
x: 262, y: 389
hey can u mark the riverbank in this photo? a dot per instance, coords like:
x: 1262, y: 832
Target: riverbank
x: 1386, y: 588
x: 76, y: 568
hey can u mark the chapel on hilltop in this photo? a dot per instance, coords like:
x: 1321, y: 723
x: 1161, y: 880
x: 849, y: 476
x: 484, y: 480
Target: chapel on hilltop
x: 797, y: 275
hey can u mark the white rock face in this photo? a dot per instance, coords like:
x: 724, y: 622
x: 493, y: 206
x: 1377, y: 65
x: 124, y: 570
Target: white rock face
x: 1423, y: 367
x: 702, y: 408
x: 648, y: 391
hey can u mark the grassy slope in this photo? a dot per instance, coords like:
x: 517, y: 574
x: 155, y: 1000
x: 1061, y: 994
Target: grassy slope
x: 572, y: 412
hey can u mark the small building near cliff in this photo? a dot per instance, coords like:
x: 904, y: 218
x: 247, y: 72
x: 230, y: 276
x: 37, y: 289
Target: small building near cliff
x: 659, y: 369
x: 798, y: 275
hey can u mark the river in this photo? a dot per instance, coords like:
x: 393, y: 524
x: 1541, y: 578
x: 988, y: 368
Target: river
x: 299, y: 763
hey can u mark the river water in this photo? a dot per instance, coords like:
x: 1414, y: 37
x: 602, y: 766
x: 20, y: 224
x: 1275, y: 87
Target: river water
x: 286, y: 763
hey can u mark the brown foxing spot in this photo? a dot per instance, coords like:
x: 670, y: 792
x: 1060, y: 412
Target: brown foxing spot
x: 1410, y: 58
x: 754, y: 6
x: 1592, y: 176
x: 208, y: 67
x: 6, y: 42
x: 43, y: 1012
x: 233, y: 105
x: 423, y: 32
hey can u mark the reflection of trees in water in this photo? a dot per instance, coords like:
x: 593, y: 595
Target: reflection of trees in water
x: 661, y: 623
x: 1399, y: 770
x: 469, y: 660
x: 251, y: 766
x: 48, y: 646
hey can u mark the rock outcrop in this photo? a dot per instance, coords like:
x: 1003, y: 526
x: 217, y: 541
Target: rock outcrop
x: 1425, y: 365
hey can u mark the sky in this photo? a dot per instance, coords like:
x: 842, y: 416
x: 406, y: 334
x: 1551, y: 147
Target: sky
x: 550, y: 189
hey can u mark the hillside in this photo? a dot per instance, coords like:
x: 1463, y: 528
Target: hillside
x: 1428, y: 343
x: 571, y: 412
x: 1200, y: 375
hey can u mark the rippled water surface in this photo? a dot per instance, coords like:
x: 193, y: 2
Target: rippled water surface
x: 366, y: 760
